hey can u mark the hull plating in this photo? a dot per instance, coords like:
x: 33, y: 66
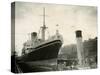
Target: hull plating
x: 44, y: 52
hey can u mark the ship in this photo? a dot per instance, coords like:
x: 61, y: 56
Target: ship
x: 41, y: 51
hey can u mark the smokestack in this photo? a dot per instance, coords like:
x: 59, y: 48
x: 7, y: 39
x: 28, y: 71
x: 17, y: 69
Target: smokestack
x: 33, y: 36
x: 80, y: 53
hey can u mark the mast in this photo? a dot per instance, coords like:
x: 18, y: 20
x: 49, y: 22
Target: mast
x: 57, y: 31
x: 43, y: 16
x: 44, y: 26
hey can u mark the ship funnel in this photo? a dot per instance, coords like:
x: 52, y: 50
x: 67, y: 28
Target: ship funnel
x: 33, y: 36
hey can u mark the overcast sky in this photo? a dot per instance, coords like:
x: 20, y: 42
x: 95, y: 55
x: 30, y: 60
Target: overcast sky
x: 69, y: 17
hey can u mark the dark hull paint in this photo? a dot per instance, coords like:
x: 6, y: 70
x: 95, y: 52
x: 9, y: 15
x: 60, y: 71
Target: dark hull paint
x: 44, y: 52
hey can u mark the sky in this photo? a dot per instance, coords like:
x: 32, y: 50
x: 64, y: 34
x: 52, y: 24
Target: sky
x: 28, y: 18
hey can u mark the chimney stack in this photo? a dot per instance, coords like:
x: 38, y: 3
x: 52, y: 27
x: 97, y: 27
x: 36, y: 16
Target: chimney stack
x: 80, y: 53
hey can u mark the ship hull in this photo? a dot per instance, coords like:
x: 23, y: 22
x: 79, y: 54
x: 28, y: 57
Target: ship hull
x: 43, y: 52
